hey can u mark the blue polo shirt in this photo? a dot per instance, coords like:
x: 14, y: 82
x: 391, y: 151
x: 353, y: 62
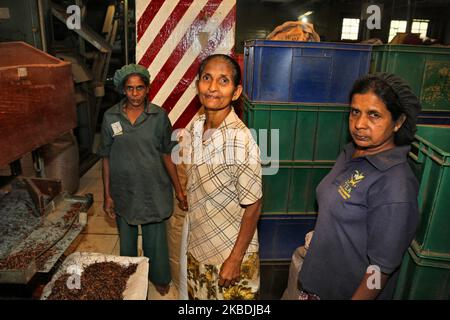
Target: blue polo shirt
x: 368, y: 215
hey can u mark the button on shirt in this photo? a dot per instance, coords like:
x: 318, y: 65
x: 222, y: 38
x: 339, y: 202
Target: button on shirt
x: 224, y: 172
x: 368, y: 215
x: 139, y: 183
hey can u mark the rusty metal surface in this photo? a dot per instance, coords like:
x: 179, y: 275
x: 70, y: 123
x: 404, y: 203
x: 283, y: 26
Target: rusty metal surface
x: 37, y: 100
x: 42, y: 191
x: 47, y: 235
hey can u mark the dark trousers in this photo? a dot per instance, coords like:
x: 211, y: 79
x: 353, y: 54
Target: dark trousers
x: 154, y: 245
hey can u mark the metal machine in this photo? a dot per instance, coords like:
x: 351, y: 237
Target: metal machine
x: 38, y: 219
x: 38, y: 223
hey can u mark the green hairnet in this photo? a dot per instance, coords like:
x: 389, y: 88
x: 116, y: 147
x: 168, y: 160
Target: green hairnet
x: 128, y: 69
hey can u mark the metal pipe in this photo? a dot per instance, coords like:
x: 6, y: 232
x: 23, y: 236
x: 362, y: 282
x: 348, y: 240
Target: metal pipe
x: 40, y: 5
x: 408, y: 18
x: 125, y: 26
x: 38, y: 163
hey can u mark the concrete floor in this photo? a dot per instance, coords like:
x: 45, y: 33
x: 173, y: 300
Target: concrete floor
x: 101, y: 235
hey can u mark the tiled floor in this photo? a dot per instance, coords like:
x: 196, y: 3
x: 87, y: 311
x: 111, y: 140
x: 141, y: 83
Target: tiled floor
x: 100, y: 234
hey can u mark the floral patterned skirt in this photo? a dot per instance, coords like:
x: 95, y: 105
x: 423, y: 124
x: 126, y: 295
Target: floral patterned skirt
x: 203, y: 279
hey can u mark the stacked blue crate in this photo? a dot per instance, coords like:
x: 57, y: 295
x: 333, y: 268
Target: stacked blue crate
x: 307, y: 77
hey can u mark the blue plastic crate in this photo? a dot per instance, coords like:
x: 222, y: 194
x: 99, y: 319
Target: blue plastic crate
x: 280, y: 234
x: 291, y: 71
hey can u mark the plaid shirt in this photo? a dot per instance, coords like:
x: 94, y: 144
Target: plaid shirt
x: 224, y: 172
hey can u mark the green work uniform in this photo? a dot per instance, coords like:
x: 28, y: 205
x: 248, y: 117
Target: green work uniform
x: 139, y: 183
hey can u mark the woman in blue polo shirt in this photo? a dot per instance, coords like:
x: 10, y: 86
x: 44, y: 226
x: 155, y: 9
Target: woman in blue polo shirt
x: 368, y: 211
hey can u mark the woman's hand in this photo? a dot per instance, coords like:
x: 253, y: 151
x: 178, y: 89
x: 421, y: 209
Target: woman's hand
x: 182, y: 200
x: 108, y: 207
x: 230, y: 272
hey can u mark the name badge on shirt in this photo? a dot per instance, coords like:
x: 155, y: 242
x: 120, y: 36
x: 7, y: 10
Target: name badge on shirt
x: 117, y: 128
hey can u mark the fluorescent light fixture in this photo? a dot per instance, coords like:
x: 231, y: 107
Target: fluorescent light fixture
x: 305, y: 19
x: 300, y: 17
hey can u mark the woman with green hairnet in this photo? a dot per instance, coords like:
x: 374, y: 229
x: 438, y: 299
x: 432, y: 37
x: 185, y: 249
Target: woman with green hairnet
x: 138, y: 172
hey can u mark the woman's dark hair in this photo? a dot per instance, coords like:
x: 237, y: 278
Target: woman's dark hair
x: 236, y: 69
x: 143, y: 78
x: 398, y: 98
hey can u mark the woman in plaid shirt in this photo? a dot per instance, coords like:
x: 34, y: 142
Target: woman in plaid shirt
x: 224, y: 191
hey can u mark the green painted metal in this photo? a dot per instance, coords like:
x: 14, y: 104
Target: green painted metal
x: 430, y: 161
x: 423, y: 278
x: 426, y: 68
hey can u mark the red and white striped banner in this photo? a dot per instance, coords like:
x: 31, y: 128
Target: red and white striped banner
x: 173, y: 37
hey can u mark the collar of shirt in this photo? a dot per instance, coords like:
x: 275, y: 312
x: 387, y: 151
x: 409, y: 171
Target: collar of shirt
x: 149, y: 107
x: 383, y: 160
x: 228, y: 122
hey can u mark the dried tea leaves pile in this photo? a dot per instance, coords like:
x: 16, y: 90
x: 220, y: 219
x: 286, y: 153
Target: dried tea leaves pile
x: 22, y: 259
x: 99, y: 281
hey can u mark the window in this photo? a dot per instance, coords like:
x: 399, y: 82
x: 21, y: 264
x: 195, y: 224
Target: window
x: 396, y: 26
x: 350, y: 29
x: 420, y: 26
